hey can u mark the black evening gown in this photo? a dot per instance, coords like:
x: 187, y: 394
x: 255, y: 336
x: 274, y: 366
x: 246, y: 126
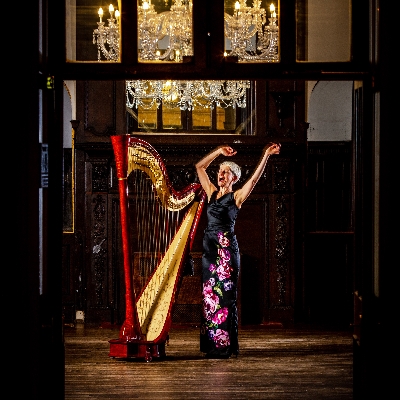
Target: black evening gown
x: 220, y: 263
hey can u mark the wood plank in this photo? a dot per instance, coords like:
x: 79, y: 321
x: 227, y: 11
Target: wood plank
x: 272, y: 364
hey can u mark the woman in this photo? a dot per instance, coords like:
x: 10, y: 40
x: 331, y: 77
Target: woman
x: 219, y: 328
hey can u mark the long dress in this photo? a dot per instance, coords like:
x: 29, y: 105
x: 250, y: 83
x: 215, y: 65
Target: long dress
x: 220, y: 264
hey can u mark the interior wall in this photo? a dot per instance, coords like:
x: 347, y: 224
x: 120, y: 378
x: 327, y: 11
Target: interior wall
x: 330, y: 111
x: 329, y: 30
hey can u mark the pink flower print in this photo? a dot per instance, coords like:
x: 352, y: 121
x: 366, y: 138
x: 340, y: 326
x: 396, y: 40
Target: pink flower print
x: 223, y: 240
x: 207, y: 291
x: 211, y: 267
x: 224, y: 271
x: 221, y: 338
x: 209, y: 284
x: 220, y: 316
x: 208, y: 287
x: 224, y: 262
x: 210, y: 304
x: 224, y: 254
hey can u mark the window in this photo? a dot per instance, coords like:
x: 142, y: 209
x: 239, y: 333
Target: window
x: 187, y: 106
x: 199, y: 120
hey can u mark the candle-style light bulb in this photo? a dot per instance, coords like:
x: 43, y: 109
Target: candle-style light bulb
x: 145, y: 5
x: 272, y: 10
x: 237, y: 8
x: 111, y: 8
x: 100, y: 12
x: 117, y: 14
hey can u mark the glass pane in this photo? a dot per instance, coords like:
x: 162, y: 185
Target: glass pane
x: 226, y: 118
x: 202, y: 118
x: 164, y: 30
x: 171, y: 117
x: 323, y: 30
x: 251, y: 32
x: 93, y: 30
x: 147, y: 116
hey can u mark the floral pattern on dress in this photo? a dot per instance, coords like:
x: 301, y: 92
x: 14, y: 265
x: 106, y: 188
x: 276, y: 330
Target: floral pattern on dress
x: 213, y: 292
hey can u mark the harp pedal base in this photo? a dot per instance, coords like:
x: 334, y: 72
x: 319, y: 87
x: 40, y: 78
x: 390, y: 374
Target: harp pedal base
x: 136, y: 349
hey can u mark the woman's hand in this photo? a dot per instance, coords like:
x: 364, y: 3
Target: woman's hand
x: 227, y: 151
x: 274, y: 148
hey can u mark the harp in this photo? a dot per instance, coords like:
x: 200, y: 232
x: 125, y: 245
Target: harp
x: 153, y: 270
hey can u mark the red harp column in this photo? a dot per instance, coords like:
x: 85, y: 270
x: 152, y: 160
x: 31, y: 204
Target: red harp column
x: 130, y: 330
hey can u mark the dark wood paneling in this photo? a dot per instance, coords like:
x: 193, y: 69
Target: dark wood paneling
x: 329, y: 187
x: 329, y: 245
x: 329, y: 278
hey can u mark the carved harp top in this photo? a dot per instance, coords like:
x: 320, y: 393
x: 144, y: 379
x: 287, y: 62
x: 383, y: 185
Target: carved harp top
x: 142, y: 156
x: 133, y: 153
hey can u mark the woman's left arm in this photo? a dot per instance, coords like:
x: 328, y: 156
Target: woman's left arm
x: 244, y: 192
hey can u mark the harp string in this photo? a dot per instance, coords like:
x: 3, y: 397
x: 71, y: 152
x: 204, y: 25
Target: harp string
x: 156, y: 227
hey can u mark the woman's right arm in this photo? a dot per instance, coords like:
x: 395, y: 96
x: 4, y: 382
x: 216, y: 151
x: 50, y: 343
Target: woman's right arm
x: 203, y: 164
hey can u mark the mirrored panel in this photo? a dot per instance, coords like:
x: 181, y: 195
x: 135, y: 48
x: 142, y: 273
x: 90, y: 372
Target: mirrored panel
x: 93, y: 30
x: 251, y: 31
x: 323, y: 30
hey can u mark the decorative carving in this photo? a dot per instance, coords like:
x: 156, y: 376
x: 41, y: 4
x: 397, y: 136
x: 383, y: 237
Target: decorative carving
x: 99, y: 236
x: 181, y: 177
x: 281, y: 181
x: 282, y: 247
x: 99, y: 177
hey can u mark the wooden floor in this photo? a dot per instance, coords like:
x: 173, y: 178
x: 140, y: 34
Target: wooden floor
x: 274, y: 363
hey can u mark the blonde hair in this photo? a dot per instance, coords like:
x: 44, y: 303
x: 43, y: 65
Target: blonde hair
x: 233, y: 167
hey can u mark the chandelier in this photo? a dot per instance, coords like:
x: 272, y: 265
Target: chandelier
x: 186, y: 95
x: 107, y: 37
x: 165, y: 36
x: 250, y: 39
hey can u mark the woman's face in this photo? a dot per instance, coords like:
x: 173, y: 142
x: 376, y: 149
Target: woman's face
x: 225, y: 176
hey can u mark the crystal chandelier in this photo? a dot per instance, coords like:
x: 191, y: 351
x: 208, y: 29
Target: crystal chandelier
x: 186, y: 95
x: 107, y: 37
x: 250, y: 39
x: 165, y: 36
